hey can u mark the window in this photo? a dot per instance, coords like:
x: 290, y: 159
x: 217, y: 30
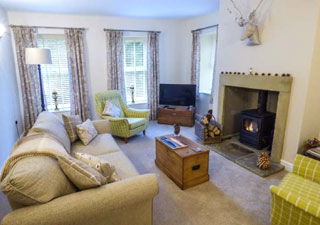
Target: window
x: 135, y: 68
x: 208, y: 40
x: 55, y: 76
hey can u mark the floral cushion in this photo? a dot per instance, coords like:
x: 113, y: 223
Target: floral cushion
x: 111, y: 109
x: 86, y: 131
x: 102, y: 166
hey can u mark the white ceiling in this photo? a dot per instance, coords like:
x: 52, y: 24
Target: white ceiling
x: 125, y: 8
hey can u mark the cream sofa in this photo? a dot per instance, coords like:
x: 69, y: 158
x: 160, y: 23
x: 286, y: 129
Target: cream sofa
x: 128, y: 201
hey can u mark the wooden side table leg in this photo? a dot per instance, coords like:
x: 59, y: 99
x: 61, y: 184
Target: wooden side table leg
x: 125, y: 140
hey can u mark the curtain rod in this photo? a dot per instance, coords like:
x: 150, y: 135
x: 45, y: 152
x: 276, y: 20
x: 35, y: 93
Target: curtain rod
x: 205, y: 28
x: 132, y: 30
x: 45, y: 27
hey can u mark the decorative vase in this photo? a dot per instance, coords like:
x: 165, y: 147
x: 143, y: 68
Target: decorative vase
x: 176, y: 129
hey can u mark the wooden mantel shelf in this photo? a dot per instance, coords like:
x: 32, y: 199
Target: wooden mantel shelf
x: 268, y: 83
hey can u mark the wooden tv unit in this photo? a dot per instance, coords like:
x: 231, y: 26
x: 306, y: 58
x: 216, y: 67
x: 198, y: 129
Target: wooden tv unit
x: 170, y: 116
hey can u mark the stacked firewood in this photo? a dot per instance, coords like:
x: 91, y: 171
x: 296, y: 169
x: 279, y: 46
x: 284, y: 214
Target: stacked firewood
x: 211, y: 129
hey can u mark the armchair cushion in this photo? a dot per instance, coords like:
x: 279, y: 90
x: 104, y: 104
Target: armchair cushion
x: 137, y: 113
x: 111, y: 109
x: 117, y: 103
x: 136, y: 122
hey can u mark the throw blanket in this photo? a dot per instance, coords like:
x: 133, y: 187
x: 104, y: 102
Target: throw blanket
x: 33, y: 145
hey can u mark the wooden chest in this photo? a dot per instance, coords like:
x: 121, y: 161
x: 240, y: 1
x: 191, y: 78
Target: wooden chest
x: 184, y: 117
x: 183, y: 166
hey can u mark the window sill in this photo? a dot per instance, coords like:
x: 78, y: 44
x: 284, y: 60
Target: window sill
x: 60, y: 111
x: 204, y: 93
x: 136, y: 103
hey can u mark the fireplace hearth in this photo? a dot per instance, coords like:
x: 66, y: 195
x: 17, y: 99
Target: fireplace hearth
x: 257, y: 125
x: 240, y: 93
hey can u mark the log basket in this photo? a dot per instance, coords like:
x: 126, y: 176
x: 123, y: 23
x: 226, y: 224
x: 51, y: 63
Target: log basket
x: 206, y: 132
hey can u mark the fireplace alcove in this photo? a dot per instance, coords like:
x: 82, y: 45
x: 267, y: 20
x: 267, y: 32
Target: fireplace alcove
x: 239, y: 96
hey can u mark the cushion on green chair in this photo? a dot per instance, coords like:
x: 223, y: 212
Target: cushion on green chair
x: 117, y: 103
x: 301, y: 187
x: 136, y: 122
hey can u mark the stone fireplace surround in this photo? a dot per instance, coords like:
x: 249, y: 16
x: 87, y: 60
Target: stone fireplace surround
x: 240, y: 92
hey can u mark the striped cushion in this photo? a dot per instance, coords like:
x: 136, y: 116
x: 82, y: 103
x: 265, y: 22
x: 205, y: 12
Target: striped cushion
x: 80, y: 174
x: 70, y: 123
x: 307, y: 168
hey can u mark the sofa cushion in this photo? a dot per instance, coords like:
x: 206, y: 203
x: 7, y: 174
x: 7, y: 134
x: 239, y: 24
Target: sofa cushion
x: 123, y: 165
x: 100, y: 145
x: 136, y: 122
x: 70, y: 123
x: 80, y: 173
x: 302, y: 187
x: 35, y: 180
x: 102, y: 166
x: 49, y: 123
x: 86, y: 132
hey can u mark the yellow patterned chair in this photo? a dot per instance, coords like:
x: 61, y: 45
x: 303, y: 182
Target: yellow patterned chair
x: 130, y: 122
x: 297, y: 199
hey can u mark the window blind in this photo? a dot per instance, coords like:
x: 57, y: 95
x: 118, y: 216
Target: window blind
x: 135, y: 68
x: 56, y: 76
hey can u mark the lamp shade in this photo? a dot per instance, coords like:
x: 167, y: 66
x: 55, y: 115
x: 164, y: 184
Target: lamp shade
x: 38, y: 56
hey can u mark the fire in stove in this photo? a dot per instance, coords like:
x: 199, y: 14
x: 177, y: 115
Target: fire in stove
x: 251, y: 126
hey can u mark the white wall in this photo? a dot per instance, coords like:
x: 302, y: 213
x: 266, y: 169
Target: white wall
x: 96, y: 42
x: 185, y: 42
x: 288, y: 30
x: 311, y: 121
x: 9, y: 99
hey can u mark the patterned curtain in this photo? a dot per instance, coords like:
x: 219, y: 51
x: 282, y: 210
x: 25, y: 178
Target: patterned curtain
x: 153, y: 73
x: 25, y: 37
x: 195, y: 63
x: 78, y: 76
x: 115, y: 73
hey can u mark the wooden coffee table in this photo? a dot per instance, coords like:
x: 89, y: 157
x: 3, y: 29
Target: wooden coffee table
x: 184, y: 166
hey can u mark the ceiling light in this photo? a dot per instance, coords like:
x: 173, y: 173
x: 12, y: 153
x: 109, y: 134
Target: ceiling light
x: 2, y: 30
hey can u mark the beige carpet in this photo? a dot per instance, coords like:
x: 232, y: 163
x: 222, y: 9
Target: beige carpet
x: 232, y: 196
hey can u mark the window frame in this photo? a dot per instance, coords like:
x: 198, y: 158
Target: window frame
x: 144, y: 68
x: 66, y: 107
x: 213, y: 29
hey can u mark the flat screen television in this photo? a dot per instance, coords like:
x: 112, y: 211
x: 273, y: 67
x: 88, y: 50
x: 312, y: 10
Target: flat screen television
x: 177, y: 94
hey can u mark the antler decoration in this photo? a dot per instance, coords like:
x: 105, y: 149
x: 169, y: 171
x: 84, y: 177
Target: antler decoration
x: 251, y: 32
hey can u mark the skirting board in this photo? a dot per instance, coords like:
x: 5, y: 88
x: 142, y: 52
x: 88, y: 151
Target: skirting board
x: 287, y: 165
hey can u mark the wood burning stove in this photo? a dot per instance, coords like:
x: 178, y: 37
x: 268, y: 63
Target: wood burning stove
x: 257, y: 125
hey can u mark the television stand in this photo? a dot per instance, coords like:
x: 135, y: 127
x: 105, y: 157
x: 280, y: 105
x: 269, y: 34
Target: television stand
x: 170, y: 116
x: 168, y: 107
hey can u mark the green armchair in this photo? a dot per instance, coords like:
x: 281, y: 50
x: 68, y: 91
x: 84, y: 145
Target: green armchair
x: 130, y: 122
x: 297, y: 198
